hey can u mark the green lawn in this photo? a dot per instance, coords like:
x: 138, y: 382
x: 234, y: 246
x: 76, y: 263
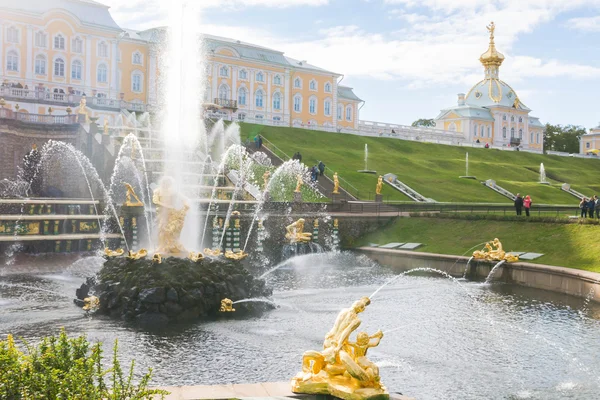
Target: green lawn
x: 434, y: 170
x: 567, y: 245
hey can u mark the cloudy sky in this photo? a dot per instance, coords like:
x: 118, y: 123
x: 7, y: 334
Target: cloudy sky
x: 409, y: 58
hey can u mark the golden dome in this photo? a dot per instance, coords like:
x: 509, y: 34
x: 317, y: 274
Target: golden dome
x: 491, y: 57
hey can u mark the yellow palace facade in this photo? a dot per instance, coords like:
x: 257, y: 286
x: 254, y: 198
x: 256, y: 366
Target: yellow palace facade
x: 54, y: 52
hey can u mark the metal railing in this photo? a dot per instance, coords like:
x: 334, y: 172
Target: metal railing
x: 38, y: 118
x: 226, y: 103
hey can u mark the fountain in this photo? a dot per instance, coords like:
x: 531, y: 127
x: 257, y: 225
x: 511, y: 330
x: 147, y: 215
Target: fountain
x: 298, y: 241
x: 543, y: 179
x: 467, y: 176
x: 367, y: 170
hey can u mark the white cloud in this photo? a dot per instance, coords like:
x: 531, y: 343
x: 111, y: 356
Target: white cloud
x: 591, y: 24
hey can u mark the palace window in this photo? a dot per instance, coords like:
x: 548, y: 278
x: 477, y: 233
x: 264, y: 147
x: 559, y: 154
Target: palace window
x: 348, y: 113
x: 520, y: 133
x: 313, y: 85
x: 223, y: 92
x: 102, y: 49
x: 277, y: 80
x: 276, y: 120
x: 297, y: 103
x: 40, y: 39
x: 520, y: 119
x: 504, y: 117
x: 259, y: 116
x: 538, y: 138
x: 258, y: 101
x: 76, y: 70
x: 12, y: 35
x: 298, y: 83
x: 489, y: 131
x: 224, y: 71
x: 241, y: 117
x: 59, y: 67
x: 77, y: 45
x: 242, y: 96
x: 260, y: 77
x: 12, y: 61
x: 512, y: 118
x: 102, y: 73
x: 531, y: 138
x: 243, y: 74
x: 328, y: 87
x: 59, y: 42
x: 504, y: 133
x: 137, y: 58
x: 475, y: 130
x: 40, y: 65
x: 512, y: 132
x: 452, y: 127
x: 327, y: 107
x: 340, y: 112
x: 312, y: 105
x: 136, y: 82
x: 482, y: 131
x: 277, y: 101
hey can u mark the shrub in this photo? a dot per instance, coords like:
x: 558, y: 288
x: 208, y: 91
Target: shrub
x: 64, y: 368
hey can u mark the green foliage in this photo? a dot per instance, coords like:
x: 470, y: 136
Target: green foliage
x: 424, y: 122
x: 563, y: 138
x: 66, y: 368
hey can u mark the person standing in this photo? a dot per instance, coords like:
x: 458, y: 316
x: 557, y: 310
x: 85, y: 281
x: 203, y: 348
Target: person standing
x: 583, y: 207
x: 519, y: 204
x: 299, y: 158
x: 260, y: 142
x: 591, y: 206
x: 597, y: 203
x: 527, y: 204
x: 321, y: 168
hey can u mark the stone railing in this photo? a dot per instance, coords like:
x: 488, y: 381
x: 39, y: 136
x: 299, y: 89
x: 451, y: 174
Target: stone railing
x: 29, y: 95
x: 38, y: 118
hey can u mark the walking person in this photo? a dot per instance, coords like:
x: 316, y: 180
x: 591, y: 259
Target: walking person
x: 583, y: 207
x: 527, y: 204
x: 591, y: 206
x: 256, y: 141
x: 321, y: 168
x: 597, y: 202
x: 519, y: 204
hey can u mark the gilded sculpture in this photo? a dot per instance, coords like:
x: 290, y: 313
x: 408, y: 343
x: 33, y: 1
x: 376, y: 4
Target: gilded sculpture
x: 105, y: 129
x: 91, y: 303
x: 170, y: 219
x: 108, y: 253
x: 336, y: 184
x: 137, y: 255
x: 195, y: 257
x: 493, y: 251
x: 295, y: 232
x: 129, y: 195
x: 82, y: 106
x: 227, y: 306
x: 299, y: 184
x: 379, y: 185
x: 157, y: 258
x: 342, y: 368
x: 266, y: 177
x: 213, y: 253
x: 240, y: 255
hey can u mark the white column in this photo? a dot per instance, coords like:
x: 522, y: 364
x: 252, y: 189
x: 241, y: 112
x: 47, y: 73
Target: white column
x: 29, y: 54
x: 88, y: 65
x: 114, y: 78
x: 215, y: 83
x: 251, y: 94
x: 1, y: 46
x: 234, y: 72
x: 152, y: 95
x: 287, y: 93
x: 334, y: 109
x: 268, y: 105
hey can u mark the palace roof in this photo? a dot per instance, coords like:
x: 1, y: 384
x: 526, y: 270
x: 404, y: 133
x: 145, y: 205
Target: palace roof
x: 347, y: 93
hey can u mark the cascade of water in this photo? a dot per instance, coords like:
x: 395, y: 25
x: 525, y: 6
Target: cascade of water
x: 543, y: 174
x: 467, y: 267
x: 491, y: 274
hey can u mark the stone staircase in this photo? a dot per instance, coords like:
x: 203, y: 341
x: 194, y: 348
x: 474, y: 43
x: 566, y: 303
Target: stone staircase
x: 412, y: 194
x: 567, y: 188
x: 490, y: 183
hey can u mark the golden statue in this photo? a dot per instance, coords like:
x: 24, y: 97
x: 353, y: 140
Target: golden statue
x: 266, y: 177
x: 336, y: 223
x: 336, y: 184
x: 491, y: 28
x: 157, y: 258
x: 137, y: 255
x: 493, y: 251
x: 226, y: 306
x: 240, y: 255
x: 195, y: 257
x: 295, y: 232
x: 91, y: 303
x: 108, y: 253
x: 105, y: 129
x: 342, y: 368
x: 379, y: 185
x: 131, y: 193
x: 82, y: 106
x: 299, y: 183
x: 170, y: 219
x: 213, y: 253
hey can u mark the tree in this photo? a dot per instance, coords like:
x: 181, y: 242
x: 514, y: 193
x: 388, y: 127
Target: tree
x: 563, y: 138
x: 424, y: 122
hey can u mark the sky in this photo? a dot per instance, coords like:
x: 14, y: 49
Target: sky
x: 408, y: 59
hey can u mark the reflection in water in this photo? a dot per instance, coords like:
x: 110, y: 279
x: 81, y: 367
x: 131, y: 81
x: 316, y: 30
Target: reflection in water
x: 499, y: 342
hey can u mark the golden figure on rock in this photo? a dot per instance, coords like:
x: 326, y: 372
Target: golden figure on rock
x: 226, y: 306
x: 336, y: 184
x: 129, y: 195
x: 91, y: 303
x: 157, y: 258
x: 137, y: 255
x: 493, y: 251
x: 195, y: 257
x: 266, y: 177
x: 170, y: 219
x: 342, y: 368
x: 299, y: 184
x: 213, y: 253
x: 240, y: 255
x: 379, y: 185
x: 108, y: 253
x: 295, y: 232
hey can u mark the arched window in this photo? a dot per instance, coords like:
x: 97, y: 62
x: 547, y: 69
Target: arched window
x: 260, y: 77
x: 328, y: 87
x: 224, y: 71
x: 277, y: 80
x: 77, y: 45
x: 258, y: 101
x: 489, y: 131
x: 313, y: 85
x: 243, y: 74
x: 520, y: 119
x: 512, y: 118
x: 504, y: 133
x: 137, y: 80
x: 102, y: 49
x: 223, y: 92
x: 242, y: 96
x: 12, y: 35
x: 40, y: 65
x: 312, y: 105
x: 297, y: 103
x: 531, y: 138
x: 102, y: 73
x: 327, y: 107
x: 520, y: 133
x: 59, y: 67
x: 348, y: 113
x: 40, y: 39
x: 12, y: 61
x: 137, y: 58
x: 59, y: 42
x: 475, y: 130
x: 76, y: 70
x: 512, y: 132
x: 504, y: 117
x: 538, y: 138
x: 277, y: 101
x: 482, y: 131
x: 340, y: 112
x: 298, y: 83
x: 452, y: 127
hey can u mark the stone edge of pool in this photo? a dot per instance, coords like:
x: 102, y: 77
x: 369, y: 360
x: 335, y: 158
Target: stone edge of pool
x: 548, y: 277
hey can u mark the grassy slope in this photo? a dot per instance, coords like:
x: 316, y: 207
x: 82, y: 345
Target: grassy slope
x: 433, y: 170
x: 568, y: 245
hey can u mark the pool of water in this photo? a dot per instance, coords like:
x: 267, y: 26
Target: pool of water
x: 444, y: 339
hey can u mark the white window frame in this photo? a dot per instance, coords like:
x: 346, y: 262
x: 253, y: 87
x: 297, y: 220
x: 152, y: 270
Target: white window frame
x: 476, y: 130
x: 224, y: 71
x: 223, y: 93
x: 489, y: 129
x: 137, y: 54
x: 297, y: 83
x: 244, y: 91
x: 512, y: 133
x: 313, y: 105
x: 56, y: 63
x: 12, y: 65
x: 277, y: 96
x: 504, y: 132
x: 259, y: 94
x: 243, y: 77
x: 328, y: 87
x: 61, y: 41
x: 40, y: 39
x: 74, y: 69
x: 297, y: 103
x: 137, y: 75
x: 77, y: 45
x: 40, y: 69
x: 340, y: 112
x: 260, y: 75
x: 521, y: 134
x: 313, y: 85
x: 531, y: 137
x: 98, y: 76
x: 327, y: 103
x: 349, y: 113
x: 13, y: 34
x: 277, y: 80
x: 102, y: 49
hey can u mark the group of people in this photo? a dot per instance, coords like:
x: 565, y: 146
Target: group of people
x: 258, y: 142
x: 316, y: 171
x: 297, y: 156
x: 521, y: 203
x: 588, y: 206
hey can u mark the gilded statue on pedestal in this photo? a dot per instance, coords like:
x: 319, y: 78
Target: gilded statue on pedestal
x: 170, y: 219
x: 379, y: 185
x: 195, y: 257
x: 493, y: 251
x: 299, y: 184
x: 266, y: 177
x: 336, y: 184
x: 137, y: 255
x: 129, y: 195
x: 240, y: 255
x: 342, y: 368
x: 226, y: 306
x: 213, y: 253
x: 108, y: 253
x: 295, y: 232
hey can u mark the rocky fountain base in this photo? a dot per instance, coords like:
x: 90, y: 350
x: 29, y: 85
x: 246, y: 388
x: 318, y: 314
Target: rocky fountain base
x: 154, y: 293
